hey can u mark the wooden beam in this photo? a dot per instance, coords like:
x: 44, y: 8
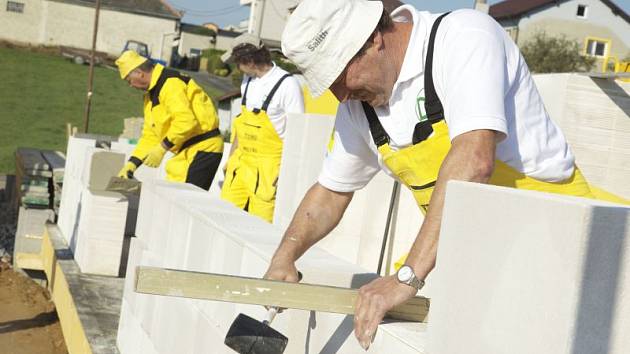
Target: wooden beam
x: 244, y: 290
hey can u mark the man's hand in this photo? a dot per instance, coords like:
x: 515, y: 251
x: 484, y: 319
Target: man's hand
x: 283, y: 271
x: 375, y: 299
x: 155, y: 156
x: 128, y: 170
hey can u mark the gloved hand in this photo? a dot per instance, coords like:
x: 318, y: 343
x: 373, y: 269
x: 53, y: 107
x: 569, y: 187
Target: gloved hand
x: 155, y: 156
x: 128, y: 170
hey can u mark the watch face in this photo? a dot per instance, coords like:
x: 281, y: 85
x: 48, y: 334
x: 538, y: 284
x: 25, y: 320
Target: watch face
x: 405, y: 273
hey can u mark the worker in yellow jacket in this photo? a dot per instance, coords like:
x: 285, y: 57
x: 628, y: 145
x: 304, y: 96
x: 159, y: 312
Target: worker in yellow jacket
x: 178, y: 117
x: 269, y: 93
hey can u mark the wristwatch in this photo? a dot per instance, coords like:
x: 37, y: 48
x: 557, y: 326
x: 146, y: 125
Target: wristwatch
x: 406, y: 276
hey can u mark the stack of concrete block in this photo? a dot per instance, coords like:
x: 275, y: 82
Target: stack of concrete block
x: 594, y: 115
x: 94, y: 221
x: 69, y: 211
x: 525, y: 272
x: 183, y: 227
x: 101, y: 231
x: 33, y: 177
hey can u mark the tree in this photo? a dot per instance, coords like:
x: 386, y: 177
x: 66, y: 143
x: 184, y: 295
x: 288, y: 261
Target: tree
x: 548, y: 54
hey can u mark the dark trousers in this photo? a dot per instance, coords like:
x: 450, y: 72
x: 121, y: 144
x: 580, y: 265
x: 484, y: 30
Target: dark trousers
x: 203, y: 168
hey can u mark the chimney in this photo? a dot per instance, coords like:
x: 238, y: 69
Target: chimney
x: 482, y: 5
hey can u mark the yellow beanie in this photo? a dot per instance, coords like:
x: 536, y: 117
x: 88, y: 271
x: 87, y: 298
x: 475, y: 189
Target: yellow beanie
x: 128, y: 61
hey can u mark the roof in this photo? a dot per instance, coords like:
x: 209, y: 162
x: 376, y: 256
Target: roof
x: 516, y: 8
x: 154, y: 8
x: 196, y: 29
x: 229, y: 95
x: 227, y: 33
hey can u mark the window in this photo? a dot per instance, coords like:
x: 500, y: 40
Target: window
x: 582, y: 11
x: 195, y: 52
x: 595, y: 47
x: 13, y: 6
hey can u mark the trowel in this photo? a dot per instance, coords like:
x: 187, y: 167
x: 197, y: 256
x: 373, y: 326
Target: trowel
x: 123, y: 185
x: 249, y: 336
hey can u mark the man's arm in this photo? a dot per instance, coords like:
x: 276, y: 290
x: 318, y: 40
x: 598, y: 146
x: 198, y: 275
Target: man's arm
x: 471, y: 158
x: 318, y: 213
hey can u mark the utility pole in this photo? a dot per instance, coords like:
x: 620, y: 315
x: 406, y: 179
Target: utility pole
x: 88, y: 102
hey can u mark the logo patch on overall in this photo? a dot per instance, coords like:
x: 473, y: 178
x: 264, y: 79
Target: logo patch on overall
x: 421, y: 113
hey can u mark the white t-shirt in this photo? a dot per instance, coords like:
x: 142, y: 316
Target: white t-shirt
x: 287, y: 99
x: 483, y: 83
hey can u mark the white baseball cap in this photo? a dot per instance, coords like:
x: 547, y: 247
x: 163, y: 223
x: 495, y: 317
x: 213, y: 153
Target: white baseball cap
x: 245, y: 38
x: 322, y: 36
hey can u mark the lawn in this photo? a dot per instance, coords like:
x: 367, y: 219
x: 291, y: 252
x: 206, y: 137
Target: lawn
x: 40, y: 93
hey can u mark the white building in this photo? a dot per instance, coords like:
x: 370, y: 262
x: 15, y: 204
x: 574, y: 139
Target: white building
x: 70, y: 23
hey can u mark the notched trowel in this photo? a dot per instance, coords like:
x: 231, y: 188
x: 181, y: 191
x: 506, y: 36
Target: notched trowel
x: 123, y: 185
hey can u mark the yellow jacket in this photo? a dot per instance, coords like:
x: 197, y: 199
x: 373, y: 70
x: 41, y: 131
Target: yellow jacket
x: 176, y: 109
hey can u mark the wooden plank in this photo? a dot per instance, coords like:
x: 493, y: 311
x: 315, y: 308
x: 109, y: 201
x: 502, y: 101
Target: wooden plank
x: 218, y: 287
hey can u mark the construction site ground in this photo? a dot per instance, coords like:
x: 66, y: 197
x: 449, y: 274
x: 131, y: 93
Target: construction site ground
x: 28, y: 320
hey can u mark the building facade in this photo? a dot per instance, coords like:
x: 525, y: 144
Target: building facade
x: 601, y: 28
x: 70, y: 23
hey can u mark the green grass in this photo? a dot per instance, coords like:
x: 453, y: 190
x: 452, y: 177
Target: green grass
x: 40, y: 93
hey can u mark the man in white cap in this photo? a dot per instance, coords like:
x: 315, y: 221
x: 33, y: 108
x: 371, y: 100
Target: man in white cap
x: 268, y: 93
x: 427, y: 98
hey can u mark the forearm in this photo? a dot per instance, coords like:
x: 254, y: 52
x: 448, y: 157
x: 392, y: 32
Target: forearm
x: 470, y: 159
x: 319, y: 212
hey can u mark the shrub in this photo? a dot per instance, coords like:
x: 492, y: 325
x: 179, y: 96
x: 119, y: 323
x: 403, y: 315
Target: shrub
x: 548, y: 54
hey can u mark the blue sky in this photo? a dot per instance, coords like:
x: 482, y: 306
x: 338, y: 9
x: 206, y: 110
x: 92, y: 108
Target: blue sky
x: 225, y: 12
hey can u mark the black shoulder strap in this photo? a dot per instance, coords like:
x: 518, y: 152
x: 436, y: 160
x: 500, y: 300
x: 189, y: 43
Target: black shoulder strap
x: 244, y: 100
x: 154, y: 93
x: 273, y: 92
x: 379, y: 135
x: 432, y: 103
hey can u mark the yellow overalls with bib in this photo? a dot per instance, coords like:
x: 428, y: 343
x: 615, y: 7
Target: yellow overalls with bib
x: 181, y: 116
x: 418, y: 165
x: 252, y: 170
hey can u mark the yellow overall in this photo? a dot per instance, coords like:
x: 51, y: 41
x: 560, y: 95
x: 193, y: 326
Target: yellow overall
x: 252, y: 170
x: 418, y: 165
x: 181, y: 116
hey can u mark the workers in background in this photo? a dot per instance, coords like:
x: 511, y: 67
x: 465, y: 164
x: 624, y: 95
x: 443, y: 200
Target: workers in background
x: 427, y: 98
x: 178, y: 117
x: 268, y: 93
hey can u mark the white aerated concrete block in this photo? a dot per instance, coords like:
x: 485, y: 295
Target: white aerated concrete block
x: 528, y: 272
x: 305, y: 144
x: 219, y: 238
x: 101, y: 229
x: 594, y: 115
x: 359, y: 236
